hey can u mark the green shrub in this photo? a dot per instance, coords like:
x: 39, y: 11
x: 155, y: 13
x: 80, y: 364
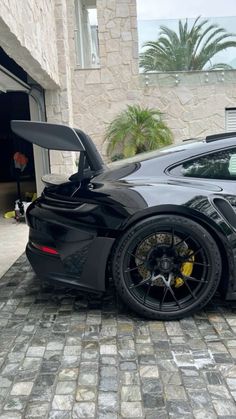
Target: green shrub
x: 136, y: 130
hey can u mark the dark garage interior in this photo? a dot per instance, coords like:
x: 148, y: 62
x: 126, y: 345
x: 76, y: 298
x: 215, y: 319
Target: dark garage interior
x: 13, y: 105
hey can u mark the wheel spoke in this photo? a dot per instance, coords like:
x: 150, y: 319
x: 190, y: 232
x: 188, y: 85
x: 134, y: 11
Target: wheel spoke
x: 135, y: 256
x: 174, y: 296
x: 172, y: 237
x: 133, y: 269
x: 147, y: 292
x: 182, y: 241
x: 156, y: 239
x: 198, y: 263
x: 191, y: 292
x: 164, y: 296
x: 190, y: 278
x: 193, y: 253
x: 144, y: 281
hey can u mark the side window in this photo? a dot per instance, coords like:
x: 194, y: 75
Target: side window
x: 219, y: 165
x: 86, y: 34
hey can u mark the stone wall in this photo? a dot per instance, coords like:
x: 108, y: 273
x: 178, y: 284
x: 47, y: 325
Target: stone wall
x: 35, y: 34
x: 191, y: 105
x: 59, y: 104
x: 28, y: 35
x: 39, y: 35
x: 99, y: 94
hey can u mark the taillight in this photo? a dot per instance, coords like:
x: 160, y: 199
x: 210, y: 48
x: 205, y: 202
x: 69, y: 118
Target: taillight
x: 45, y: 249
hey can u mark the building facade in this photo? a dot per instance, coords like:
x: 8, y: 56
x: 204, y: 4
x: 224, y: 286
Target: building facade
x: 87, y: 72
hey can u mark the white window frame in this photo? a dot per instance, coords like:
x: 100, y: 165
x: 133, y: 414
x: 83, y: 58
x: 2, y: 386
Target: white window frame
x: 78, y: 36
x: 83, y: 43
x: 230, y: 119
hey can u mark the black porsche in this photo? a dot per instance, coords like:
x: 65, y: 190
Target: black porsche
x: 162, y: 224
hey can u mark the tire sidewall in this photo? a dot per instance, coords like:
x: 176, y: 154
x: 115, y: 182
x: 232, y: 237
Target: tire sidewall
x: 143, y: 229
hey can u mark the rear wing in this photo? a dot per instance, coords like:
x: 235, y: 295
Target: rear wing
x: 61, y: 137
x: 50, y: 136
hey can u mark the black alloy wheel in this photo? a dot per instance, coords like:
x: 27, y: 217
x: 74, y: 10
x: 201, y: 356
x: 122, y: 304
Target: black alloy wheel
x: 166, y: 267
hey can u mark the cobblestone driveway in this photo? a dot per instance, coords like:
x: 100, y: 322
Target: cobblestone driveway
x: 65, y: 356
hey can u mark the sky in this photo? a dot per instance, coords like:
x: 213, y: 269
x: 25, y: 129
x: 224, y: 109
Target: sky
x: 153, y: 13
x: 172, y: 9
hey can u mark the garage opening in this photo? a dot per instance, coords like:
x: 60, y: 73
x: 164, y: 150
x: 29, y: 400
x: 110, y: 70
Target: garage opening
x: 20, y: 98
x: 14, y: 105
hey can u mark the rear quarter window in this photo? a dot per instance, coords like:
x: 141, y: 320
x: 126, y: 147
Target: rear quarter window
x: 217, y: 165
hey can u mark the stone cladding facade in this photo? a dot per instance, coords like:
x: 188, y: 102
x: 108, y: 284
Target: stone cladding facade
x: 40, y: 36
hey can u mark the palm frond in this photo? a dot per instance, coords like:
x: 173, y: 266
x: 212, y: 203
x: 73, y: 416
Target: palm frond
x: 136, y: 130
x: 220, y: 66
x: 191, y: 48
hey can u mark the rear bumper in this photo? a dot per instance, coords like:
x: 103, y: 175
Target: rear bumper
x: 44, y: 264
x: 93, y: 269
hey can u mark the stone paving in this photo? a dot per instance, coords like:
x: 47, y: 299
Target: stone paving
x: 66, y: 355
x: 13, y: 239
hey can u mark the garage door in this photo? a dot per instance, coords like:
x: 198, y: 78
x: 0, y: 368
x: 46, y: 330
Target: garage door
x: 10, y: 83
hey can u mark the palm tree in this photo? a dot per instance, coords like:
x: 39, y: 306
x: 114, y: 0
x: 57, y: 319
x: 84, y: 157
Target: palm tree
x: 192, y: 48
x: 136, y: 130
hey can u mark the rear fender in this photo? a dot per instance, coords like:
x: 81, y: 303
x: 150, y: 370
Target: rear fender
x: 209, y: 217
x: 212, y: 221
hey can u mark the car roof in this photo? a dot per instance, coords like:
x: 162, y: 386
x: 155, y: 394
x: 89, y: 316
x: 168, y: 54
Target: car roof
x: 187, y: 149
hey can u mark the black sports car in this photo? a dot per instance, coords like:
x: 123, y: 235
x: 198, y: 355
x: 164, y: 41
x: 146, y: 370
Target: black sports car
x: 163, y: 224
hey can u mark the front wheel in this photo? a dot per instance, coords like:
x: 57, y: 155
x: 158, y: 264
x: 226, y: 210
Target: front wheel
x: 166, y: 267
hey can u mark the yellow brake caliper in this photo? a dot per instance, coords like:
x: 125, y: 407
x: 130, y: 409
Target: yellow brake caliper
x: 186, y: 270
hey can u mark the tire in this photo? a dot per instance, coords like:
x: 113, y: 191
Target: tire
x: 166, y: 267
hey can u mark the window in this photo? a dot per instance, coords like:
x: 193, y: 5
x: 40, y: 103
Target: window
x: 86, y: 34
x: 219, y: 165
x: 230, y: 119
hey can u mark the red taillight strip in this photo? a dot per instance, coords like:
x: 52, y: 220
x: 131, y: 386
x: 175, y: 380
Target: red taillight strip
x: 45, y: 249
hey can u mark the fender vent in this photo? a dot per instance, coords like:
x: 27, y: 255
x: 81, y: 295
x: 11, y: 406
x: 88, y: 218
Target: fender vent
x: 226, y: 210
